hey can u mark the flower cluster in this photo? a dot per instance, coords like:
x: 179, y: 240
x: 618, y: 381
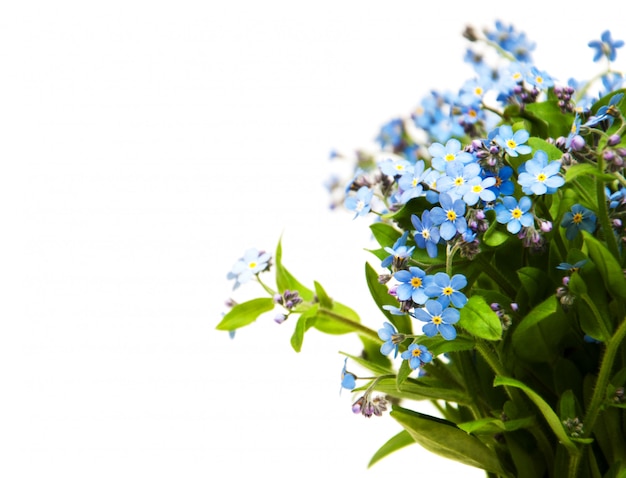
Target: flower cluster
x: 497, y: 213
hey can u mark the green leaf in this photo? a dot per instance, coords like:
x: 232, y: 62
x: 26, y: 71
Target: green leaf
x: 548, y: 414
x: 586, y: 169
x: 303, y: 324
x: 609, y: 267
x: 286, y: 281
x: 374, y: 367
x: 535, y: 283
x: 245, y: 313
x: 479, y: 320
x: 396, y: 442
x: 322, y: 296
x: 533, y: 342
x: 381, y: 296
x: 422, y: 389
x: 327, y: 319
x: 385, y: 234
x: 403, y: 373
x: 494, y: 236
x: 444, y: 438
x: 558, y: 123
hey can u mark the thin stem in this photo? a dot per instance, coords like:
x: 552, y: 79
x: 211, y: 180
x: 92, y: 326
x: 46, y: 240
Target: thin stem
x: 603, y: 217
x: 357, y: 326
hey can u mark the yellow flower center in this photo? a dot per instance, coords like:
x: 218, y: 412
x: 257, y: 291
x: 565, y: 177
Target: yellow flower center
x: 414, y: 182
x: 447, y: 290
x: 426, y: 234
x: 477, y: 188
x: 578, y: 218
x: 399, y: 167
x: 451, y: 215
x: 516, y: 213
x: 539, y: 79
x: 252, y: 265
x: 478, y: 91
x: 437, y: 319
x: 416, y: 282
x: 511, y: 144
x: 416, y: 352
x: 459, y: 181
x: 449, y: 157
x: 541, y: 177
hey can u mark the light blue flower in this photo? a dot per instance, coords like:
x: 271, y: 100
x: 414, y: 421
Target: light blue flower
x: 395, y: 166
x: 410, y: 183
x: 513, y: 143
x: 538, y: 176
x: 478, y: 188
x: 457, y: 176
x: 446, y: 289
x: 413, y: 282
x: 252, y: 262
x: 450, y: 216
x: 442, y: 155
x: 439, y: 319
x: 514, y: 214
x: 606, y: 46
x: 571, y: 268
x: 426, y: 234
x: 503, y: 185
x: 577, y: 219
x: 361, y: 202
x: 399, y: 250
x: 417, y: 355
x: 348, y: 380
x: 388, y: 334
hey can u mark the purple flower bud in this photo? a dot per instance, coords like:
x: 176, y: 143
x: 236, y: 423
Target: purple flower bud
x: 577, y: 143
x: 545, y: 226
x: 280, y: 318
x: 566, y: 281
x: 608, y: 155
x: 495, y: 306
x: 614, y: 139
x: 514, y: 306
x: 278, y: 299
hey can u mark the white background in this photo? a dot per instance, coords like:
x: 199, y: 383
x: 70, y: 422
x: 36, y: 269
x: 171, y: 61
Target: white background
x: 144, y: 147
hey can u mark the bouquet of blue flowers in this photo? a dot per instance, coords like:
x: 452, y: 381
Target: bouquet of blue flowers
x: 498, y: 226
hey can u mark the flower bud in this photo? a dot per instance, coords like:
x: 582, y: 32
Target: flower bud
x: 614, y: 139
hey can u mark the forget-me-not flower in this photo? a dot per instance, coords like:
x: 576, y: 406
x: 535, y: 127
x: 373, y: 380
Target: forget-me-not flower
x: 361, y: 202
x: 539, y: 176
x: 417, y: 355
x: 446, y: 289
x: 252, y: 262
x: 606, y: 46
x: 450, y: 216
x: 577, y: 219
x: 442, y: 155
x: 399, y: 250
x: 426, y: 234
x: 439, y: 319
x: 514, y: 214
x: 513, y: 143
x: 388, y: 334
x: 413, y: 283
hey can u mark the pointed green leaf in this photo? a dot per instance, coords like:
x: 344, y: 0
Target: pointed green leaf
x: 286, y: 281
x: 609, y: 267
x: 322, y: 296
x: 303, y: 324
x: 245, y: 313
x: 548, y: 414
x: 479, y: 320
x: 396, y: 442
x: 385, y: 234
x: 586, y: 169
x: 444, y: 438
x: 381, y: 296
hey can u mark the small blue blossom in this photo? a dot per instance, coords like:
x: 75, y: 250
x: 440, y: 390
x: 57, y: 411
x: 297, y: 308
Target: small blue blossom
x: 348, y: 379
x: 413, y: 282
x: 539, y: 79
x: 606, y: 112
x: 473, y: 91
x: 399, y: 251
x: 576, y: 219
x: 439, y: 319
x: 565, y: 266
x: 450, y: 216
x: 393, y: 310
x: 410, y: 183
x: 513, y: 143
x: 388, y: 334
x: 426, y: 233
x: 606, y: 46
x: 478, y: 188
x: 514, y: 214
x: 446, y: 289
x: 442, y: 155
x: 416, y: 355
x: 539, y: 176
x: 431, y: 179
x: 395, y: 166
x: 252, y: 262
x: 457, y: 176
x: 617, y: 198
x: 503, y: 185
x: 574, y: 135
x: 361, y: 203
x: 512, y: 41
x: 391, y: 133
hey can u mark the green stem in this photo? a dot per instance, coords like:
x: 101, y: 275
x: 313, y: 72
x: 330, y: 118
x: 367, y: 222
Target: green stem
x: 357, y: 326
x: 606, y: 366
x: 603, y: 216
x: 596, y: 315
x: 504, y: 283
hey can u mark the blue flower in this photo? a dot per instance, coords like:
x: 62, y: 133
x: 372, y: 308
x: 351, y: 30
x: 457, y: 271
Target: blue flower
x: 539, y: 79
x: 478, y: 188
x: 565, y: 266
x: 513, y: 143
x: 576, y: 219
x: 361, y: 203
x: 606, y: 46
x: 450, y: 216
x: 438, y: 319
x: 503, y: 185
x: 426, y: 233
x: 417, y: 355
x: 606, y: 112
x: 395, y: 166
x: 538, y: 176
x: 446, y: 289
x: 388, y: 334
x: 252, y: 262
x: 413, y: 283
x: 410, y: 183
x: 398, y: 251
x: 514, y: 215
x: 442, y: 155
x: 348, y: 379
x: 457, y: 175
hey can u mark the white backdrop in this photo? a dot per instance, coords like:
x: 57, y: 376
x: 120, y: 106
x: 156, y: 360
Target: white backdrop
x: 145, y: 146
